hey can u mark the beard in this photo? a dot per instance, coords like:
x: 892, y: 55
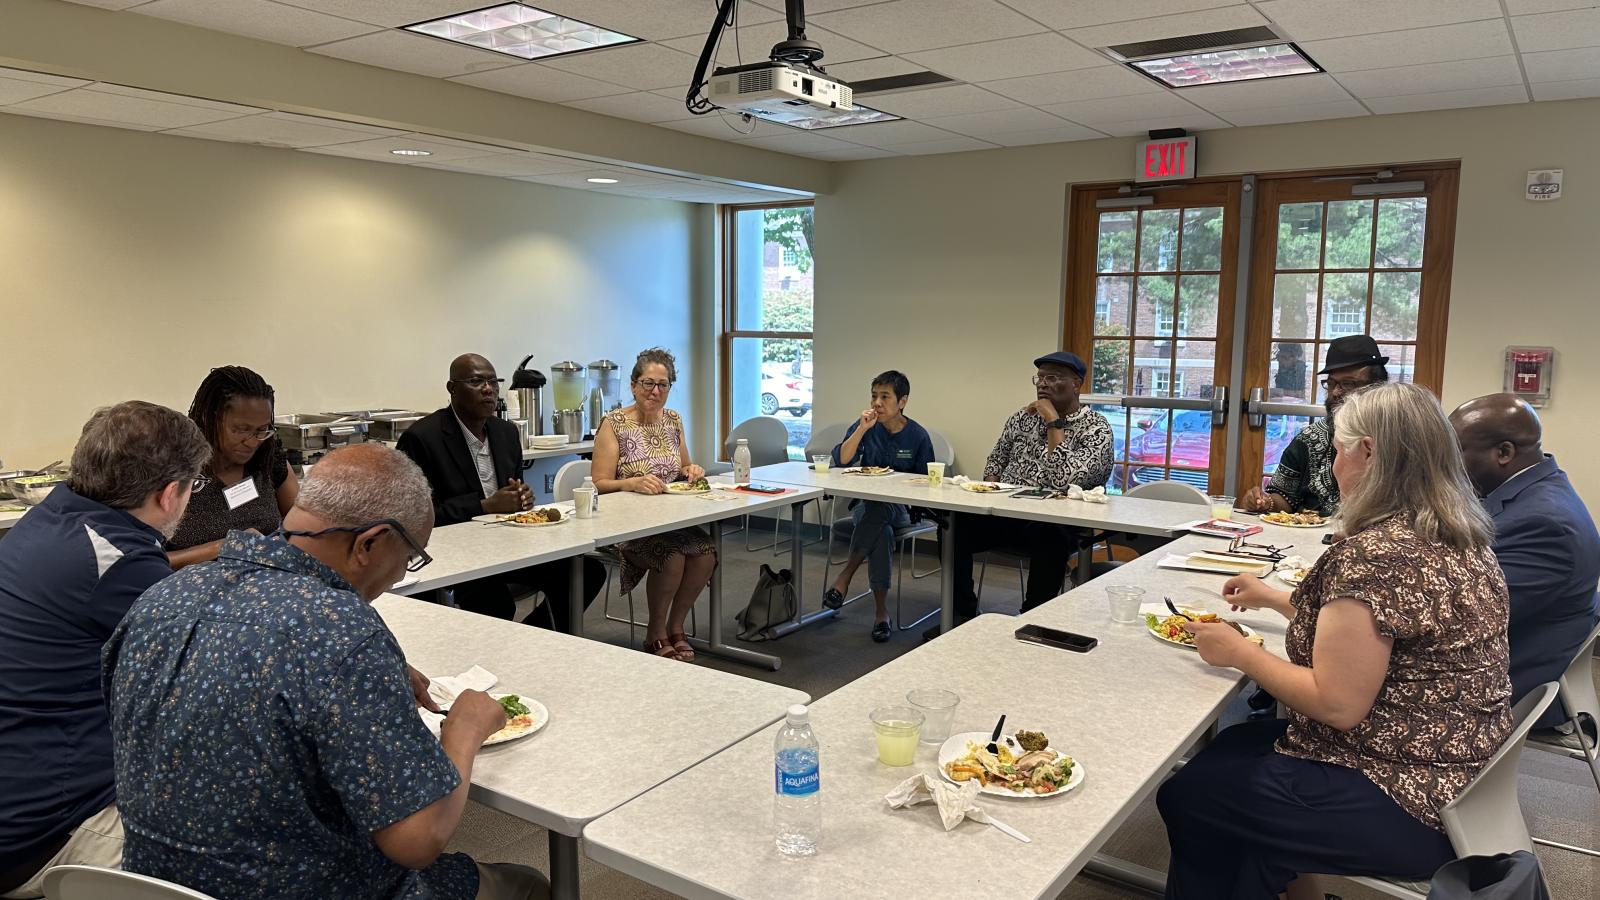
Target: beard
x: 170, y: 530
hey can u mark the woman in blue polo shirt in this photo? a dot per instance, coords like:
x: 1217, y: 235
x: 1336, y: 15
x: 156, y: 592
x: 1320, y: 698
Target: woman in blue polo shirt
x: 882, y: 437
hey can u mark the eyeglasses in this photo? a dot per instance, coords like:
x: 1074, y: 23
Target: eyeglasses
x: 414, y: 563
x: 1053, y: 380
x: 245, y: 431
x: 647, y: 385
x: 1343, y: 385
x: 478, y: 382
x: 1241, y: 547
x: 199, y: 483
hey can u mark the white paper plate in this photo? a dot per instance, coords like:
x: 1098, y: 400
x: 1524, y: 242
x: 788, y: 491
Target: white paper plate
x: 987, y: 487
x: 861, y: 470
x: 956, y: 747
x: 567, y: 515
x: 1288, y: 576
x: 541, y: 718
x: 682, y: 487
x: 1160, y: 609
x: 1266, y: 521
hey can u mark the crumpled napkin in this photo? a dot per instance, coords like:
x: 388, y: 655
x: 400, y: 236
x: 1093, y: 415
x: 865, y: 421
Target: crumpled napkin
x: 956, y: 801
x: 446, y: 688
x: 1290, y: 563
x: 1093, y: 495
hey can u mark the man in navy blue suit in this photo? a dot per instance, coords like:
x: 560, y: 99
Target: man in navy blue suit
x: 1544, y: 538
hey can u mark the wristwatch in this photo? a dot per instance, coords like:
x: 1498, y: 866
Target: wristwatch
x: 1058, y: 423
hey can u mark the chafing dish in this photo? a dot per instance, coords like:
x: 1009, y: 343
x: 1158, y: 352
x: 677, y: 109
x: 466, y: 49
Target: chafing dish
x: 387, y: 424
x: 320, y: 431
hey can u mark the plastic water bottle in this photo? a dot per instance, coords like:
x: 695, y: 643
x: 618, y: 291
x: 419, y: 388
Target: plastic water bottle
x: 594, y: 494
x: 797, y: 808
x: 741, y: 462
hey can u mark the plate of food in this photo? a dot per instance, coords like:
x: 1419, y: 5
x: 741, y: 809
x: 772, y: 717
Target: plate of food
x: 986, y: 487
x: 1292, y: 577
x: 524, y: 716
x: 1025, y: 766
x: 1303, y: 519
x: 867, y: 470
x: 1169, y: 628
x: 697, y: 486
x: 535, y: 518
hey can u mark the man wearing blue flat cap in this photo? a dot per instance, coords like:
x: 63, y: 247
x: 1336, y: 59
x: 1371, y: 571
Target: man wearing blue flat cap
x: 1053, y: 442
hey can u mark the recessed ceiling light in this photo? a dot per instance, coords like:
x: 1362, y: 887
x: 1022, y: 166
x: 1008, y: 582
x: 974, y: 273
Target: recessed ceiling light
x: 520, y: 30
x: 1233, y: 64
x: 407, y: 151
x: 601, y: 180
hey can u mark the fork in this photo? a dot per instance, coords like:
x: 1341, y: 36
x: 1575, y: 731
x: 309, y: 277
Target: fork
x: 1176, y: 611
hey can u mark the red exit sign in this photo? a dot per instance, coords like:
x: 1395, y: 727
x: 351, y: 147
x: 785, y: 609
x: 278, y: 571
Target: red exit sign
x: 1167, y: 159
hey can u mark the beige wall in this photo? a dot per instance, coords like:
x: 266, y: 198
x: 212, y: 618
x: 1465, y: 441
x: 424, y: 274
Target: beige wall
x: 950, y: 267
x: 131, y: 263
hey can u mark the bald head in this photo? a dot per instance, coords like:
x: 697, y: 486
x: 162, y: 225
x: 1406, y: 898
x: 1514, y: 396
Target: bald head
x: 467, y: 364
x: 1500, y: 436
x: 473, y: 404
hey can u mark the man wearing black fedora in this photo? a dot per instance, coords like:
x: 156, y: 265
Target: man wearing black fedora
x: 1304, y: 477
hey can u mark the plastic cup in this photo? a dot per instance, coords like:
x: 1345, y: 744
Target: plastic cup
x: 897, y: 728
x: 583, y: 502
x: 1124, y: 600
x: 819, y: 463
x: 1222, y: 507
x: 935, y: 474
x: 938, y: 708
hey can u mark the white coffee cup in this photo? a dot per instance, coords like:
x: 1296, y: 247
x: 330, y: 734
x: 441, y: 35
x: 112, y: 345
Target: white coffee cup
x: 583, y: 502
x: 935, y: 474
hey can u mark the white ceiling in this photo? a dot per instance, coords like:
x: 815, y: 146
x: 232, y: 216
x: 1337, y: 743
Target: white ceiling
x: 1029, y: 69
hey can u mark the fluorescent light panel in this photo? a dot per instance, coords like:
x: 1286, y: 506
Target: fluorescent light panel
x: 809, y: 118
x: 523, y: 31
x: 1222, y: 66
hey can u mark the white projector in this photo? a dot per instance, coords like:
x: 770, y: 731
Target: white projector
x: 779, y: 92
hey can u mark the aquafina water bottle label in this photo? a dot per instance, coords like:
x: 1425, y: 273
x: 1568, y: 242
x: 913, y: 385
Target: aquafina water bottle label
x: 799, y: 784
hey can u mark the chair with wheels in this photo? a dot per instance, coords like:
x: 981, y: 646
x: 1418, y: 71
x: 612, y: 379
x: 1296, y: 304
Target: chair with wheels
x: 95, y: 883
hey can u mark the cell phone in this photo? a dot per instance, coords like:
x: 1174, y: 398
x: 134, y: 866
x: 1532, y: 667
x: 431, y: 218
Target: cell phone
x: 764, y: 488
x: 1053, y: 637
x: 1327, y: 539
x: 1034, y: 494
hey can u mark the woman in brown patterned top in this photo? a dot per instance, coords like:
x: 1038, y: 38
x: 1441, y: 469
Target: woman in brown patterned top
x: 641, y: 448
x: 1397, y: 679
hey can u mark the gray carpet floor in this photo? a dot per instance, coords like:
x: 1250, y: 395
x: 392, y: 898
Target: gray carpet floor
x: 1559, y: 798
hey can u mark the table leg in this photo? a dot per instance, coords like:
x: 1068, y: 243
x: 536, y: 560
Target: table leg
x: 947, y: 568
x: 563, y: 867
x: 796, y: 564
x: 715, y: 645
x: 575, y: 597
x: 1085, y: 559
x: 1120, y: 871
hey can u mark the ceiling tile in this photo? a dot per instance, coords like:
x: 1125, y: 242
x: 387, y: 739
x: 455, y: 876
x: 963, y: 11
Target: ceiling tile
x: 998, y: 122
x: 877, y: 67
x: 951, y: 100
x: 853, y: 153
x: 1309, y: 20
x: 951, y: 145
x: 797, y: 141
x: 1168, y: 26
x: 391, y: 13
x: 182, y: 99
x: 539, y: 82
x: 901, y: 26
x: 656, y: 20
x: 1529, y: 7
x: 260, y: 19
x: 1563, y: 65
x: 16, y: 90
x: 128, y: 111
x: 1567, y: 90
x: 1495, y: 96
x: 642, y: 106
x: 1079, y: 84
x: 1309, y: 112
x: 1470, y: 40
x: 1464, y: 74
x: 41, y: 77
x: 643, y: 67
x: 1121, y: 109
x: 108, y: 4
x: 812, y: 6
x: 284, y: 130
x: 1195, y: 121
x: 890, y: 134
x: 1085, y: 13
x: 725, y: 126
x: 1034, y: 54
x: 755, y: 42
x: 409, y: 52
x: 1558, y: 30
x: 440, y: 149
x: 1266, y: 92
x: 1067, y: 132
x: 510, y: 164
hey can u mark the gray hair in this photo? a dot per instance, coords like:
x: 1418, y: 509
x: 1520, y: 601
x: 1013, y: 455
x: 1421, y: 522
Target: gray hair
x: 365, y: 482
x: 1416, y: 468
x: 129, y: 451
x: 655, y: 356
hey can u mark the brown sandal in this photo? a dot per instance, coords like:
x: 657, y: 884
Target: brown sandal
x: 680, y: 643
x: 661, y: 648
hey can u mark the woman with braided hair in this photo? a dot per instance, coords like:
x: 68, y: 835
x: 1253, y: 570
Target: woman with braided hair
x: 248, y: 485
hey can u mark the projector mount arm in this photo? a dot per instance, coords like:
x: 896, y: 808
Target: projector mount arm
x: 797, y: 50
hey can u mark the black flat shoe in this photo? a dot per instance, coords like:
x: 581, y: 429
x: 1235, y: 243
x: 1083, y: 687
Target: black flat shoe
x: 832, y: 599
x: 880, y: 633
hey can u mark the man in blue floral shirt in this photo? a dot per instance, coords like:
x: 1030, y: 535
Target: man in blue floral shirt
x: 267, y: 738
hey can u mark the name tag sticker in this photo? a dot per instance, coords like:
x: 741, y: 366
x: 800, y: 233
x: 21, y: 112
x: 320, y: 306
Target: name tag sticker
x: 241, y: 493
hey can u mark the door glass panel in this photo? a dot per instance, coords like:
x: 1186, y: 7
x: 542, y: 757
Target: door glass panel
x: 1196, y: 366
x: 1152, y: 369
x: 1402, y: 224
x: 1113, y: 304
x: 1155, y: 312
x: 1290, y: 374
x: 1294, y: 304
x: 1396, y: 297
x: 1114, y: 249
x: 1158, y: 240
x: 772, y: 377
x: 1147, y: 445
x: 1117, y: 416
x: 1280, y: 431
x: 1349, y: 235
x: 1108, y: 373
x: 1197, y: 305
x: 1299, y: 235
x: 1402, y: 363
x: 1202, y: 239
x: 1344, y: 304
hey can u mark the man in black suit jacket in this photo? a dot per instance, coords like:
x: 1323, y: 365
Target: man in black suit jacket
x: 473, y: 460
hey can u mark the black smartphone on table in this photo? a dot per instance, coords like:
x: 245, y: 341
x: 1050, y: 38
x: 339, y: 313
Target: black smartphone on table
x: 1034, y: 494
x: 764, y: 488
x: 1054, y: 637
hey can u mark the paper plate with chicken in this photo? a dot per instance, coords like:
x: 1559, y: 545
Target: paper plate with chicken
x: 1013, y: 770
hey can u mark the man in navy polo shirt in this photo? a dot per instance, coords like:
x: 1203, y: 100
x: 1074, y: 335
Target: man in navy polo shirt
x: 69, y: 570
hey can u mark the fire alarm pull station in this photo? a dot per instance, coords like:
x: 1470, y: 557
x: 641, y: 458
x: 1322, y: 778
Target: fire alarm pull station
x: 1528, y: 373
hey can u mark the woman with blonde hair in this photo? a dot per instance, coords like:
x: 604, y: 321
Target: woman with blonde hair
x: 642, y: 448
x: 1397, y: 680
